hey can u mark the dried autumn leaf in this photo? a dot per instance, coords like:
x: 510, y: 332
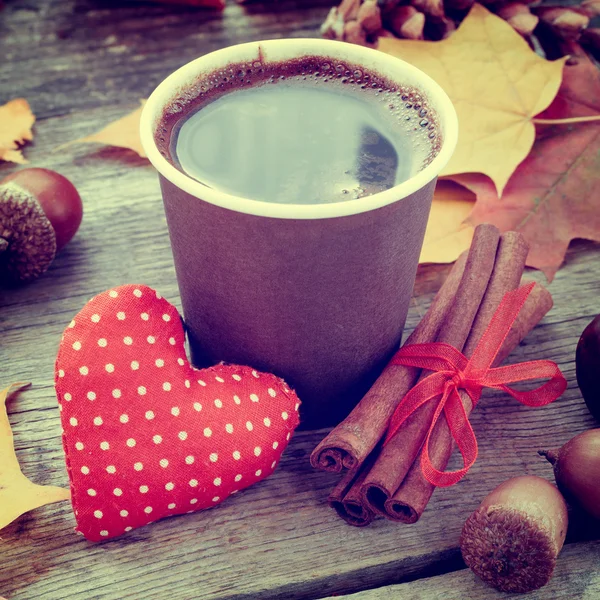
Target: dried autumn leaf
x: 447, y: 234
x: 16, y: 121
x: 579, y: 93
x: 18, y: 494
x: 123, y: 133
x: 554, y: 195
x: 497, y: 84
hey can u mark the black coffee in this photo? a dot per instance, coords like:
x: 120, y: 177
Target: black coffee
x: 302, y: 132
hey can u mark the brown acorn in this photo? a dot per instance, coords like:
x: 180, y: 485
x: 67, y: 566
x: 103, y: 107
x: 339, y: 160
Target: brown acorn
x: 40, y: 211
x: 512, y: 540
x: 587, y: 366
x: 577, y: 470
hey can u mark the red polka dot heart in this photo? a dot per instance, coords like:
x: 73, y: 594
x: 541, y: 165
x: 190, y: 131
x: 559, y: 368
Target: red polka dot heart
x: 145, y: 434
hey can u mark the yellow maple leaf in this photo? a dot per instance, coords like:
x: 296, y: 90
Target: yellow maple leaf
x: 16, y: 121
x: 447, y: 234
x: 123, y: 133
x: 497, y: 84
x: 18, y: 495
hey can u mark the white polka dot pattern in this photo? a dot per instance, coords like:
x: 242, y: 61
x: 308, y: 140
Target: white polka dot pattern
x: 186, y: 433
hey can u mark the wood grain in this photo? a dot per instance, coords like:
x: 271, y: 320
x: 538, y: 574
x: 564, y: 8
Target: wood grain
x: 576, y: 576
x: 74, y: 54
x: 81, y: 64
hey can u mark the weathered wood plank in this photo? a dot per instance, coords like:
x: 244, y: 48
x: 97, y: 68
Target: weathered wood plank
x: 65, y: 56
x: 576, y: 576
x: 278, y: 539
x: 82, y: 64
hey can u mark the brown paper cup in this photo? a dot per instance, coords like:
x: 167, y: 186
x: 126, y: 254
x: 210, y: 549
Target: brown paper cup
x: 317, y: 294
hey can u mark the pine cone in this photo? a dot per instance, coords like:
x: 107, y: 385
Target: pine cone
x: 590, y: 40
x: 519, y: 16
x: 556, y: 28
x: 406, y: 22
x: 566, y: 22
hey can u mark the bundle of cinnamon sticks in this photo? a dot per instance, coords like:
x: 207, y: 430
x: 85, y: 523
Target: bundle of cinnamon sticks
x: 386, y: 480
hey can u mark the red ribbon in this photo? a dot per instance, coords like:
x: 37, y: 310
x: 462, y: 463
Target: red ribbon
x: 454, y: 372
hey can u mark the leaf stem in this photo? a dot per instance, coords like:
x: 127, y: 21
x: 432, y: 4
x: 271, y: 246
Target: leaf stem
x: 565, y: 121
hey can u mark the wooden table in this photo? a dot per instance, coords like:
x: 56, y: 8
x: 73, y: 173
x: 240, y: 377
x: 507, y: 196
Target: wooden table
x: 81, y: 64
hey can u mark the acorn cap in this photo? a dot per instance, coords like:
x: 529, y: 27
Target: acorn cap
x: 512, y: 540
x: 507, y: 549
x: 27, y: 238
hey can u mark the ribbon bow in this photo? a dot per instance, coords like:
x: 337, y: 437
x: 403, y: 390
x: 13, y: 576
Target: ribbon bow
x: 452, y: 372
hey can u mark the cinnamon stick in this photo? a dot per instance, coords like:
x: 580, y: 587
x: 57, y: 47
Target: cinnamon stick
x: 535, y: 308
x: 346, y: 501
x: 410, y: 500
x: 396, y: 458
x: 508, y: 270
x: 349, y: 444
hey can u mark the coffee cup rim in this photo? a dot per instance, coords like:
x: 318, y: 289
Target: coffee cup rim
x: 394, y: 69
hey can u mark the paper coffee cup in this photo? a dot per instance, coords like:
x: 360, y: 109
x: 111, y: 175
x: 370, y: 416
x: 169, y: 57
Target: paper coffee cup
x: 315, y: 293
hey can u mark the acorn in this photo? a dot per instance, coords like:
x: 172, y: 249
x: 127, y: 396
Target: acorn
x: 513, y: 539
x: 40, y: 211
x: 577, y: 470
x: 587, y: 366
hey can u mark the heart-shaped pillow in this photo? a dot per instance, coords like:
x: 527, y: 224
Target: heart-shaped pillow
x: 145, y: 434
